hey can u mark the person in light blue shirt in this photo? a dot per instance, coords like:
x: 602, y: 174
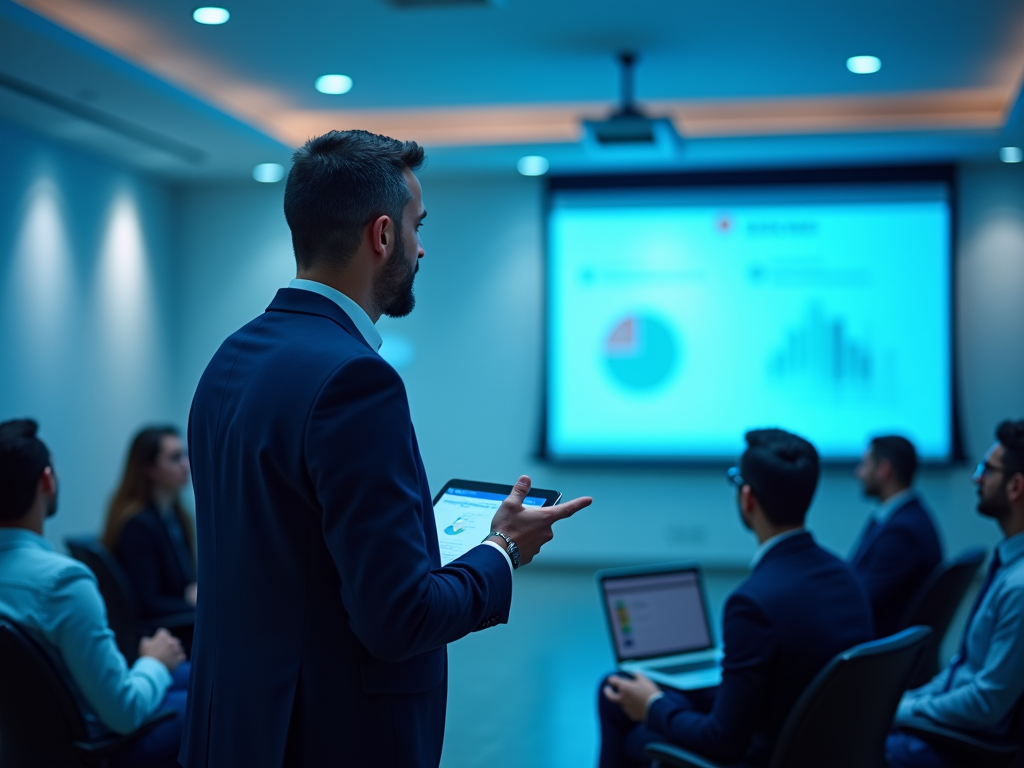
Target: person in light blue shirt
x: 56, y: 601
x: 982, y: 687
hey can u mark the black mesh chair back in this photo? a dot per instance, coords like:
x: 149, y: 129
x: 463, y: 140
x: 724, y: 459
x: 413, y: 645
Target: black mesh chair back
x: 39, y: 721
x: 935, y: 604
x: 844, y: 716
x: 117, y: 591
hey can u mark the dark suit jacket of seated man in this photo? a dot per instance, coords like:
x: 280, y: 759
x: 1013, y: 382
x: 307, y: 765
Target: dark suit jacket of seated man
x: 324, y: 614
x: 898, y: 550
x: 799, y: 608
x: 899, y: 547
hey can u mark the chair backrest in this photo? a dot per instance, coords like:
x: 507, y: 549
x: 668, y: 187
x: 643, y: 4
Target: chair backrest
x: 117, y: 591
x: 935, y: 604
x: 844, y: 716
x: 39, y: 720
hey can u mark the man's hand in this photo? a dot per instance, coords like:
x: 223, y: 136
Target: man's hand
x: 191, y: 593
x: 530, y: 527
x: 164, y: 647
x: 631, y: 695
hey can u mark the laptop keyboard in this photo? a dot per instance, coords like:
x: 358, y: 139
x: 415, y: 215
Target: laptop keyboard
x: 693, y: 666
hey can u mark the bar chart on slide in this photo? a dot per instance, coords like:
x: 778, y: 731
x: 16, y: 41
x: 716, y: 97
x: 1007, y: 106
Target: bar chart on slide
x: 822, y: 350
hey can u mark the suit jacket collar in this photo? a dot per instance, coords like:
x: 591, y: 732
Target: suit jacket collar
x: 302, y: 302
x: 786, y: 546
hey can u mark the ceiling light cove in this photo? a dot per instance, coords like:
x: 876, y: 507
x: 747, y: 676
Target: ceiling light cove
x: 334, y: 84
x: 211, y: 15
x: 533, y: 165
x: 1011, y: 154
x: 268, y: 173
x: 863, y: 65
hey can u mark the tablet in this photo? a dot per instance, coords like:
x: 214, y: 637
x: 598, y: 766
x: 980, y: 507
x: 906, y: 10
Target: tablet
x: 463, y: 511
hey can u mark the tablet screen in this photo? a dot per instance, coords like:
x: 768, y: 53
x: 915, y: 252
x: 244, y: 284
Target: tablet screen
x: 463, y: 517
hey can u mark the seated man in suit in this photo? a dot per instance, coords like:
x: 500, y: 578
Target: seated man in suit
x: 56, y: 601
x: 799, y: 608
x: 899, y: 547
x: 979, y: 691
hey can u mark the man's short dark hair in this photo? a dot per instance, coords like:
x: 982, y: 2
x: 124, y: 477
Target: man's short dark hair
x: 899, y: 452
x: 23, y: 457
x: 782, y: 471
x: 339, y: 183
x: 1010, y: 435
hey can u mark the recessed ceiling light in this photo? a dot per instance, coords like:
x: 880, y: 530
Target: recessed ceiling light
x: 1011, y: 154
x: 268, y: 173
x: 211, y: 15
x: 533, y: 165
x: 863, y: 65
x: 334, y: 84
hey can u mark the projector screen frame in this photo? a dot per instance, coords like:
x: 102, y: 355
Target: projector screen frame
x: 942, y: 172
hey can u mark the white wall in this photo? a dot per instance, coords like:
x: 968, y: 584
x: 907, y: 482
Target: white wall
x: 85, y: 307
x: 475, y: 341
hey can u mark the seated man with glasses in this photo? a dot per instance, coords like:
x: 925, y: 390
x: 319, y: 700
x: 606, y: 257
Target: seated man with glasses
x: 979, y: 691
x: 799, y: 607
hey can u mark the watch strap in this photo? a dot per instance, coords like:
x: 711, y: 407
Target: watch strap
x: 511, y: 549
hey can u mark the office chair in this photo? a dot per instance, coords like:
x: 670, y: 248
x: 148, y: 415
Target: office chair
x: 40, y: 725
x: 974, y: 750
x: 844, y: 716
x: 935, y: 604
x: 122, y: 604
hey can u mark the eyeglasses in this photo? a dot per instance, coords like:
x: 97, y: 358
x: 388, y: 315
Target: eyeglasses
x: 733, y: 476
x: 984, y: 468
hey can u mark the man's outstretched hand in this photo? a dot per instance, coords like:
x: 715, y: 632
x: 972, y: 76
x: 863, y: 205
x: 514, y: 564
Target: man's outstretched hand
x: 530, y: 527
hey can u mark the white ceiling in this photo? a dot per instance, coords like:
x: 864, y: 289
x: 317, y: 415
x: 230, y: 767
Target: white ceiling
x: 747, y: 82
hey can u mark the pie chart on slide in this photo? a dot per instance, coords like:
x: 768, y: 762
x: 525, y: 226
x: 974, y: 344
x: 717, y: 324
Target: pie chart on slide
x: 641, y: 351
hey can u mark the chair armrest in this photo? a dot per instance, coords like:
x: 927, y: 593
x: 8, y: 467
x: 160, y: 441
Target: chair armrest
x: 668, y: 755
x: 933, y: 733
x: 106, y: 745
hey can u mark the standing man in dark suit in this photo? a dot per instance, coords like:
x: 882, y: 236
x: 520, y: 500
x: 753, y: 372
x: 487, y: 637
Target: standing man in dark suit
x: 899, y: 547
x: 324, y: 614
x: 800, y: 607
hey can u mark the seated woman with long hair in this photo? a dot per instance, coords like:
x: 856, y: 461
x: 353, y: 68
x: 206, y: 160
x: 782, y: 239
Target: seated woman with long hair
x: 147, y: 527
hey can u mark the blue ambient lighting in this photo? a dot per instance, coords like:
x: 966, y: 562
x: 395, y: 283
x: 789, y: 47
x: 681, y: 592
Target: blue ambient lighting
x: 533, y: 165
x: 211, y: 15
x: 1011, y: 154
x: 334, y: 84
x: 268, y: 173
x: 863, y: 65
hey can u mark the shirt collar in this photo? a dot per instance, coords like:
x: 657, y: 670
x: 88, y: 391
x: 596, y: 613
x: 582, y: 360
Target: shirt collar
x: 13, y: 538
x: 354, y: 311
x: 890, y: 505
x: 766, y: 547
x: 1011, y: 549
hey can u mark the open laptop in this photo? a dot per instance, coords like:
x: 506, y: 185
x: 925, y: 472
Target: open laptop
x: 659, y: 624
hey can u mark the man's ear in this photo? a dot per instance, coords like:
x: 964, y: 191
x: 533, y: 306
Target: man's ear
x: 1015, y: 487
x: 381, y: 235
x: 747, y: 501
x: 47, y: 482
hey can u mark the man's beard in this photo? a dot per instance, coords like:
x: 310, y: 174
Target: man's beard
x: 392, y: 293
x: 996, y: 507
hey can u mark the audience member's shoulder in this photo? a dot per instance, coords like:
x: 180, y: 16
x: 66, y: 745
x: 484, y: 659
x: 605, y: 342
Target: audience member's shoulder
x: 56, y: 569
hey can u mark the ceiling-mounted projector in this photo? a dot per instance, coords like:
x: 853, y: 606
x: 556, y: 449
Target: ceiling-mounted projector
x: 629, y: 131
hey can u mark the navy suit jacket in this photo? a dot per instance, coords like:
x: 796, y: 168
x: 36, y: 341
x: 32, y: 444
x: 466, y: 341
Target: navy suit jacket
x: 147, y: 554
x: 799, y: 608
x: 324, y: 610
x: 894, y: 559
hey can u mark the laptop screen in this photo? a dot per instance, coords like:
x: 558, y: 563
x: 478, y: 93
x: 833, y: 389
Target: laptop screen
x: 657, y: 614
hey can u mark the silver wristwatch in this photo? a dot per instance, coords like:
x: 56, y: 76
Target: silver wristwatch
x: 512, y: 549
